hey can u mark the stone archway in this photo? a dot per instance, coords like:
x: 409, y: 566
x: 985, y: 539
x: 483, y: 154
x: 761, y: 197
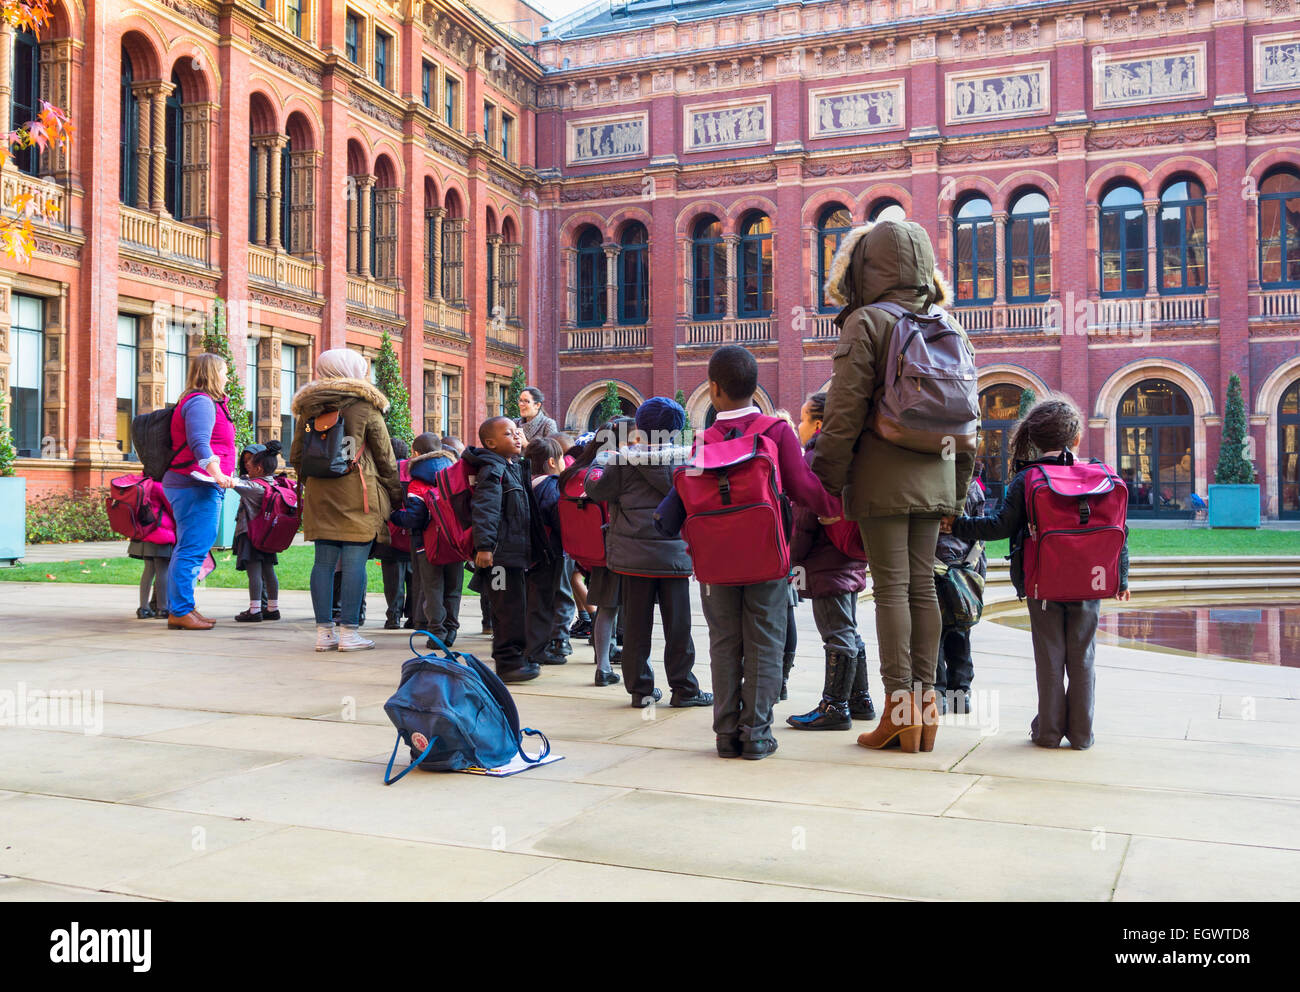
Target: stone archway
x: 588, y: 399
x: 1266, y: 411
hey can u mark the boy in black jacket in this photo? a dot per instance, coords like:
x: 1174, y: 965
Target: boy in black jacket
x: 505, y: 522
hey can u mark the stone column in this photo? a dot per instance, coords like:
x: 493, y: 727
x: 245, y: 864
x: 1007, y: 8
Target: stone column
x: 274, y: 149
x: 268, y: 395
x: 300, y: 239
x: 6, y: 88
x: 1153, y: 273
x: 54, y: 406
x: 494, y: 283
x: 1001, y: 257
x: 571, y: 285
x: 6, y: 318
x: 365, y: 199
x: 262, y: 188
x: 732, y: 241
x: 151, y: 391
x: 160, y: 92
x: 611, y: 283
x: 196, y: 131
x: 435, y: 253
x: 56, y: 88
x: 143, y: 93
x: 353, y: 252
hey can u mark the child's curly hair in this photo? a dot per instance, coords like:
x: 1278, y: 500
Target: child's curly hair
x: 1050, y: 425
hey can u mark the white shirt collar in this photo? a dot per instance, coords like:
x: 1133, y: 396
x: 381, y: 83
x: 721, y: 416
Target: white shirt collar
x: 742, y: 412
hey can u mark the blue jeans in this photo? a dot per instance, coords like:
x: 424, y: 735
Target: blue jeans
x: 349, y: 557
x: 197, y: 510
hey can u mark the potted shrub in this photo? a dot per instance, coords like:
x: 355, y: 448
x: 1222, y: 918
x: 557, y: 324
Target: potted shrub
x: 13, y: 498
x: 1234, y: 495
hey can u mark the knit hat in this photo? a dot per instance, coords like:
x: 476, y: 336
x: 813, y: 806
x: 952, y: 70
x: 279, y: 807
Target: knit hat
x: 659, y: 413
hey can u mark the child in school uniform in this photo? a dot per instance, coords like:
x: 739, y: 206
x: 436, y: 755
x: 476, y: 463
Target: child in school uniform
x: 395, y: 563
x: 955, y: 669
x: 1063, y: 633
x: 157, y: 556
x: 747, y: 623
x: 257, y: 461
x: 435, y: 589
x: 507, y: 541
x: 652, y: 567
x: 832, y: 581
x: 544, y: 458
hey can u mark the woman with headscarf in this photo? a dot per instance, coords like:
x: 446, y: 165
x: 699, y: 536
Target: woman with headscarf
x: 345, y: 515
x: 532, y: 419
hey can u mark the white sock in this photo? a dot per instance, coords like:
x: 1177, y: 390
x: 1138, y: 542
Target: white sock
x: 255, y: 607
x: 272, y: 604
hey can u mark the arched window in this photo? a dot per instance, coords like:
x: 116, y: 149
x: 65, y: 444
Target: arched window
x: 998, y: 407
x: 26, y: 94
x: 172, y: 173
x: 709, y: 275
x: 1288, y: 453
x: 633, y: 276
x: 832, y: 225
x: 128, y: 134
x: 754, y: 290
x: 1180, y: 237
x: 626, y: 408
x: 1123, y: 242
x: 1279, y: 229
x: 975, y: 252
x: 1029, y: 249
x: 886, y: 209
x: 286, y: 192
x: 591, y: 279
x: 1156, y: 460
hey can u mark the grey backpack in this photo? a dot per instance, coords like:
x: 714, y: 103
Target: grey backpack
x: 929, y: 400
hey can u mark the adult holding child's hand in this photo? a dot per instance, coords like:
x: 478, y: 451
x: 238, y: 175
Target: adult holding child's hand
x: 897, y: 495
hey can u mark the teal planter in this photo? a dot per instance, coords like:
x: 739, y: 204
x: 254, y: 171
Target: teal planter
x: 1234, y: 505
x: 226, y: 529
x: 13, y: 518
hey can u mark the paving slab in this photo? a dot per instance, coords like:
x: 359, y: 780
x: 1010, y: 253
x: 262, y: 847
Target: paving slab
x: 27, y: 890
x: 1187, y: 871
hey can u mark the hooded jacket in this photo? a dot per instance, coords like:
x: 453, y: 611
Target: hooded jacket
x: 503, y: 510
x: 634, y: 481
x: 952, y: 548
x: 335, y: 509
x: 893, y: 262
x: 413, y: 514
x: 827, y: 571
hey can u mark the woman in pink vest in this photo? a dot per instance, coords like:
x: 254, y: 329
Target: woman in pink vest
x: 204, y: 437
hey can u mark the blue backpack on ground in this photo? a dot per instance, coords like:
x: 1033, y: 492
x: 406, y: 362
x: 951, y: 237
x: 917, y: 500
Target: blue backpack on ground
x: 462, y: 710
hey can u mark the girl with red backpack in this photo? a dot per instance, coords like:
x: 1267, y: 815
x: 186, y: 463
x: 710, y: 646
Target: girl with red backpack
x: 1043, y: 446
x: 257, y: 461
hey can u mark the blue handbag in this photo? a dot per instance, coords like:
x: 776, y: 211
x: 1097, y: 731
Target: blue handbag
x: 461, y: 708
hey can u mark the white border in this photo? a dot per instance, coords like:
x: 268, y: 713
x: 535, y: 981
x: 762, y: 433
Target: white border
x: 1258, y: 61
x: 1044, y: 70
x: 1100, y: 61
x: 899, y: 86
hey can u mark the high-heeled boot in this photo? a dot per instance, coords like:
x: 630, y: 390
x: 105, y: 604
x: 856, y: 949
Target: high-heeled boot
x: 787, y: 663
x: 860, y: 705
x: 832, y: 713
x: 929, y: 702
x: 900, y: 722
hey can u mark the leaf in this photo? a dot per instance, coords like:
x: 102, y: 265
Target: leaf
x: 52, y: 578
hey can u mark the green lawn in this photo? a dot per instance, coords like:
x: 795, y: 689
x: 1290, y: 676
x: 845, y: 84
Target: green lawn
x: 294, y: 571
x: 1198, y: 541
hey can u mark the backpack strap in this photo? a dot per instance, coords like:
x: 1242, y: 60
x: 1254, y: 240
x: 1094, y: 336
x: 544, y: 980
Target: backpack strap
x: 389, y: 777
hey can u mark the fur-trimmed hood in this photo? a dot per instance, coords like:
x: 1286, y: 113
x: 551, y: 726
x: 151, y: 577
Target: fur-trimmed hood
x: 891, y: 260
x: 430, y: 455
x: 325, y: 394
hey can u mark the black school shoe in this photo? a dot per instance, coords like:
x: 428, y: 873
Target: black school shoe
x: 729, y: 746
x: 524, y: 673
x: 552, y: 659
x: 607, y: 678
x: 392, y: 623
x: 145, y: 613
x: 641, y: 702
x: 270, y: 614
x: 699, y: 699
x: 581, y: 627
x: 560, y: 646
x: 249, y: 617
x: 757, y: 750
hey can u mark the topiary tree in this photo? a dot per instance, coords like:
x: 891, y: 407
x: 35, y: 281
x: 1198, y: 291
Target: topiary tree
x: 1027, y: 400
x: 611, y: 406
x: 7, y: 452
x: 388, y: 377
x: 217, y: 342
x: 679, y: 398
x: 1234, y: 467
x: 517, y: 384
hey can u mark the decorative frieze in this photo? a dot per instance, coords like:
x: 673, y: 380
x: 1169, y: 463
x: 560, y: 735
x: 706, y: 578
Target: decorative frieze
x: 282, y: 60
x: 1277, y: 62
x: 1141, y: 78
x: 607, y: 139
x: 600, y: 191
x: 1188, y: 133
x: 175, y: 277
x: 376, y: 112
x: 501, y: 180
x: 714, y: 180
x: 859, y: 165
x: 1000, y: 152
x: 726, y: 125
x: 194, y: 12
x: 1022, y: 91
x: 444, y: 149
x: 856, y: 109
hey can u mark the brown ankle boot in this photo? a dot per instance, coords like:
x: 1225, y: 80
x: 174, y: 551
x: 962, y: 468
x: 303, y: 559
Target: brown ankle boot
x: 900, y: 723
x: 929, y: 700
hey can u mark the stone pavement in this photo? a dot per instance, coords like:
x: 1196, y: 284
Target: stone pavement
x: 240, y: 764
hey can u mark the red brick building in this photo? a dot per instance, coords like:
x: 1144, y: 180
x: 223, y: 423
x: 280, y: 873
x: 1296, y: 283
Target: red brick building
x: 1114, y: 192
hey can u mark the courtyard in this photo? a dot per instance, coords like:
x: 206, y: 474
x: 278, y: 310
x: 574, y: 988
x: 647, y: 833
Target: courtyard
x: 240, y: 764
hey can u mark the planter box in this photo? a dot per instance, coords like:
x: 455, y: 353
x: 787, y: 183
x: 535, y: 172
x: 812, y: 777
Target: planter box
x: 226, y: 527
x: 13, y: 518
x: 1234, y: 506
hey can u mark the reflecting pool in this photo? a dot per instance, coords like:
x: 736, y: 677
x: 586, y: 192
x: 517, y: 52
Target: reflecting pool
x: 1263, y: 633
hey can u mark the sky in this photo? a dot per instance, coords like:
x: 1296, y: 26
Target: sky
x: 559, y: 8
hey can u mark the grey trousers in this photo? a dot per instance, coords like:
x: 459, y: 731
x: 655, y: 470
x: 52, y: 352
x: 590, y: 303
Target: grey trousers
x: 835, y: 619
x: 901, y: 552
x: 1063, y: 636
x: 436, y: 592
x: 746, y: 643
x: 566, y: 608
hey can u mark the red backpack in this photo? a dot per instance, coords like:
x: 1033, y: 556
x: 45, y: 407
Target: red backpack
x: 738, y: 520
x: 583, y: 520
x: 273, y: 527
x: 845, y: 534
x: 138, y: 510
x: 399, y: 537
x: 1076, y: 514
x: 449, y: 538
